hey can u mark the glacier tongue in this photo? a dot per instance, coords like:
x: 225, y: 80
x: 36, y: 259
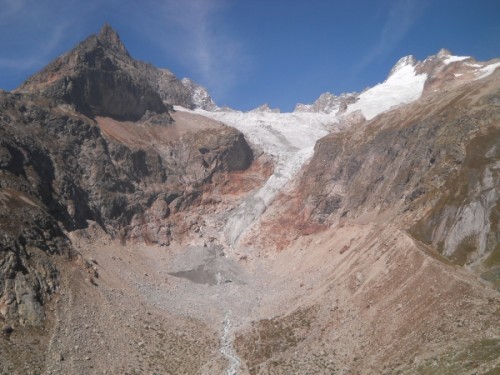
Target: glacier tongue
x: 287, y: 165
x: 289, y: 138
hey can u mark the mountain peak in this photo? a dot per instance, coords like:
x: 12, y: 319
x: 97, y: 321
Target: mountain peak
x: 402, y: 62
x: 443, y: 52
x: 99, y: 78
x: 108, y: 31
x: 109, y: 38
x: 200, y: 96
x: 327, y: 103
x: 265, y: 108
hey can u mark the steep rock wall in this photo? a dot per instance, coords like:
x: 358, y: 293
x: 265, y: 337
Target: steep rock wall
x: 432, y: 166
x: 59, y: 169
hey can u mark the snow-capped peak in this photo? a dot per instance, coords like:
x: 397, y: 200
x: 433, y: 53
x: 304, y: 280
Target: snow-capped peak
x: 266, y: 109
x: 327, y: 103
x: 403, y: 62
x: 199, y: 95
x: 443, y: 53
x: 403, y: 85
x: 446, y: 70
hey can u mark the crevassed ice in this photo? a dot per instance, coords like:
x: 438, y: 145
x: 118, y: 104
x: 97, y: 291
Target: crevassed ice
x: 289, y: 138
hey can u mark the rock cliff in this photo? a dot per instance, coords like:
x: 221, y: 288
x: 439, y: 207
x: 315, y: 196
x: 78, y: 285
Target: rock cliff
x: 70, y: 153
x: 100, y: 78
x: 430, y: 166
x: 328, y: 103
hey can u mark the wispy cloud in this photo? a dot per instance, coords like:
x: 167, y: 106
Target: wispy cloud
x: 33, y: 25
x: 400, y: 18
x: 218, y: 58
x: 10, y: 9
x: 38, y: 55
x: 194, y: 32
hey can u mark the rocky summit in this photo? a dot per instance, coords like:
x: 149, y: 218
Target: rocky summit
x: 144, y: 229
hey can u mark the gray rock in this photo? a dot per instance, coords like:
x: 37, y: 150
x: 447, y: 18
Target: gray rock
x: 328, y: 103
x: 436, y: 173
x: 59, y: 170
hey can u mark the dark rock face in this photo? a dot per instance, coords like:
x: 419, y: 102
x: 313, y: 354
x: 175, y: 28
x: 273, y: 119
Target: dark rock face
x: 167, y: 86
x: 56, y: 167
x: 100, y: 78
x: 80, y: 175
x: 29, y: 234
x: 66, y: 159
x: 29, y: 237
x: 109, y: 94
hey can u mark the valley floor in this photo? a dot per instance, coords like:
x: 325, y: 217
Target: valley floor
x: 362, y: 298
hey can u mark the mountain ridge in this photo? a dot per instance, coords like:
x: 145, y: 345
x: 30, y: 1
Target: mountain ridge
x: 188, y: 94
x: 143, y: 233
x: 436, y: 67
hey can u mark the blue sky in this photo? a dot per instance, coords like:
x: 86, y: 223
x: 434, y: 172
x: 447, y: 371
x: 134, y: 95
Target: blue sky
x: 249, y: 52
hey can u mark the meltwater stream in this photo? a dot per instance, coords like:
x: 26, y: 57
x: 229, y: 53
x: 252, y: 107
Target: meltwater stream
x: 227, y: 348
x: 289, y: 138
x: 214, y: 289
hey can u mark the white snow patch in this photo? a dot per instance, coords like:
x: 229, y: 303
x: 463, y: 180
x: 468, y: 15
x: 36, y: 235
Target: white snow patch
x: 474, y: 65
x: 451, y: 59
x: 403, y: 86
x: 458, y: 74
x: 487, y: 70
x: 200, y: 96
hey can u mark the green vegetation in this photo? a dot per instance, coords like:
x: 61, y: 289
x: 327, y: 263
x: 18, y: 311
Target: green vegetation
x: 493, y: 276
x: 494, y: 257
x: 463, y: 360
x: 464, y: 249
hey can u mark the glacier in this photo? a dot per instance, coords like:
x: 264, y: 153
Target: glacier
x: 288, y: 137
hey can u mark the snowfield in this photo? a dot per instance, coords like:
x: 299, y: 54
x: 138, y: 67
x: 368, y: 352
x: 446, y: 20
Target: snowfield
x: 487, y: 70
x: 403, y: 86
x: 451, y: 59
